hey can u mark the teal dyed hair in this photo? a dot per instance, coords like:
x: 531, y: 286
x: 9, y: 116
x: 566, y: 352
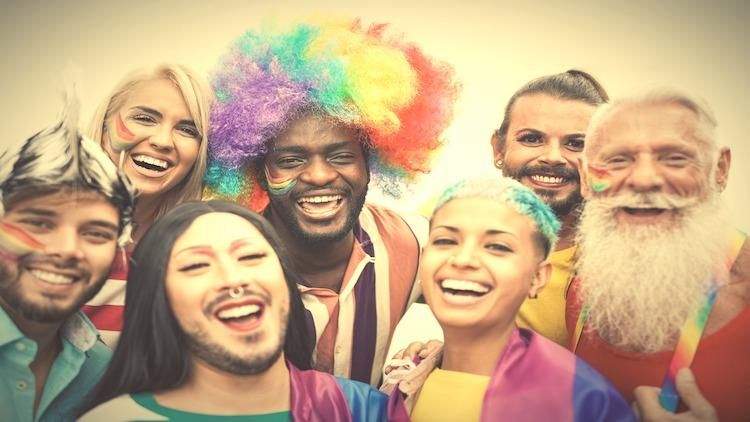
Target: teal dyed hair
x: 508, y: 191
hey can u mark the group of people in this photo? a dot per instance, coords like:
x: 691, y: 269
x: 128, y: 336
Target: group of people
x: 207, y: 252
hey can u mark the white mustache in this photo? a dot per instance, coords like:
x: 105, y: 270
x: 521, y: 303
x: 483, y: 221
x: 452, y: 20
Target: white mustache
x: 648, y: 200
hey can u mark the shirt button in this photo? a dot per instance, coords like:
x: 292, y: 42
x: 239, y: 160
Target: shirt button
x: 20, y: 346
x: 21, y: 385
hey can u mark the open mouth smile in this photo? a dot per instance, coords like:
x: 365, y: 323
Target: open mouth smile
x: 548, y: 180
x: 242, y: 316
x: 463, y: 292
x: 150, y: 166
x: 320, y: 206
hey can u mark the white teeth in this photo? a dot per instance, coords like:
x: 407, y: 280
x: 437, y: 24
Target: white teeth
x: 151, y: 160
x: 52, y: 278
x: 464, y: 285
x: 320, y: 199
x: 548, y: 179
x: 239, y: 312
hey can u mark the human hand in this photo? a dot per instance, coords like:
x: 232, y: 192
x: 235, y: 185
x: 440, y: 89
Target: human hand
x: 411, y: 352
x: 647, y: 407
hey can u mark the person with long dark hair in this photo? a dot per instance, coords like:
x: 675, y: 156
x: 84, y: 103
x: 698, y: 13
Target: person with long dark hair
x: 215, y: 326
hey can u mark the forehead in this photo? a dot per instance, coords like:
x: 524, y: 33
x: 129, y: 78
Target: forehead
x: 486, y: 215
x: 542, y: 110
x: 312, y: 132
x: 218, y: 229
x: 155, y: 92
x: 70, y: 205
x: 648, y: 126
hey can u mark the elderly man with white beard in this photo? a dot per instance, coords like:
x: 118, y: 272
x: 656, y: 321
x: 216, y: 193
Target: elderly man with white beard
x: 662, y: 278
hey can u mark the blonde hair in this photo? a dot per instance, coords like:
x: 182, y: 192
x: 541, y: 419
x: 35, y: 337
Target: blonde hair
x: 198, y: 97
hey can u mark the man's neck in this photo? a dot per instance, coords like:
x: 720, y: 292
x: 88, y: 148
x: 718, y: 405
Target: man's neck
x: 144, y: 215
x: 567, y: 233
x: 215, y: 392
x: 322, y: 264
x: 474, y: 352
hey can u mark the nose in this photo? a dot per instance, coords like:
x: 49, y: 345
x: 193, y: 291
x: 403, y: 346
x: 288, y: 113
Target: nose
x: 552, y: 154
x: 465, y: 257
x: 162, y: 140
x: 645, y: 176
x: 64, y: 244
x: 231, y: 275
x: 318, y: 172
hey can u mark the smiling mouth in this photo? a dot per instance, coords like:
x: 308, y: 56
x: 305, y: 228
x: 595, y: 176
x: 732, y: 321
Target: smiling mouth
x: 464, y: 288
x: 244, y: 316
x: 53, y: 278
x: 320, y: 205
x: 549, y: 180
x: 150, y: 163
x: 644, y: 212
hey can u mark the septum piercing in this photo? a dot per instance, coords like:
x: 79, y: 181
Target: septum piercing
x: 236, y: 292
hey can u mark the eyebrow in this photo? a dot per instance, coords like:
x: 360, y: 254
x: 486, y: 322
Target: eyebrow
x: 41, y: 212
x: 158, y: 114
x: 199, y: 249
x: 301, y: 150
x: 486, y: 232
x: 238, y: 244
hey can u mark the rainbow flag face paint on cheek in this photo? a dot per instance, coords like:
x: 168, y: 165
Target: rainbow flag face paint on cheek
x: 15, y: 242
x: 278, y: 186
x: 121, y: 137
x: 599, y: 179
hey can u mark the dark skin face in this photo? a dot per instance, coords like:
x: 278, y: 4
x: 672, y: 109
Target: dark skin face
x: 327, y: 167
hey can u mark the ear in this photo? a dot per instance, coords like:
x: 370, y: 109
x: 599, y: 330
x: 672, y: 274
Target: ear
x: 583, y: 173
x: 498, y: 149
x: 541, y: 277
x: 722, y: 168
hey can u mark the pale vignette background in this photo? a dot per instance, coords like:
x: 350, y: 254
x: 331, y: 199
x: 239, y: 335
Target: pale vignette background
x: 495, y: 47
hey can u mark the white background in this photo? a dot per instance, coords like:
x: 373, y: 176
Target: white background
x: 495, y: 46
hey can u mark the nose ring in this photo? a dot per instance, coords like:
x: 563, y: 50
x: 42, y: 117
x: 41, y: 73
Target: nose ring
x: 236, y: 292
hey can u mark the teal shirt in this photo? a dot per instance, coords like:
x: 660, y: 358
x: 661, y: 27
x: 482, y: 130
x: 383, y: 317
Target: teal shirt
x: 144, y: 407
x: 73, y: 374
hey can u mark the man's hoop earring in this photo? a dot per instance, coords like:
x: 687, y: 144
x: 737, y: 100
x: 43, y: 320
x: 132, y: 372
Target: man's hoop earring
x: 236, y: 292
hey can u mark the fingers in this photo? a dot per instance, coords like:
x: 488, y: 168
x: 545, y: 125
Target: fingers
x: 691, y: 395
x: 646, y: 405
x: 430, y: 347
x: 408, y: 354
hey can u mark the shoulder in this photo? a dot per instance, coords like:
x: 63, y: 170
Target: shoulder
x: 122, y: 408
x: 366, y: 403
x: 389, y: 222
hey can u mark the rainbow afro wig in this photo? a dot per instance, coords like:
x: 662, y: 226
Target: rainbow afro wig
x: 357, y: 76
x: 512, y: 193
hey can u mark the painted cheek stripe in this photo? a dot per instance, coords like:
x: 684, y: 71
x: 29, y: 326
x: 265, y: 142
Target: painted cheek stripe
x: 599, y: 179
x: 279, y: 186
x: 15, y: 242
x: 121, y: 138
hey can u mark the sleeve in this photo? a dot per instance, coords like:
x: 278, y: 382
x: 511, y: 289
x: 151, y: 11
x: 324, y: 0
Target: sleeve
x: 366, y: 403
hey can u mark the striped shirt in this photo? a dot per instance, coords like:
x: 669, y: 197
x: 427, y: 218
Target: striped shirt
x: 106, y: 309
x: 353, y: 327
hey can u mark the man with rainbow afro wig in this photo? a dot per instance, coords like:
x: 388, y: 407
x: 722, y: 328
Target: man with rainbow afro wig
x: 304, y: 118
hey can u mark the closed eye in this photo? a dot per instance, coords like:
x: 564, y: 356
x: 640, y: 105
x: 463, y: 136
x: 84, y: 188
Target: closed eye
x: 144, y: 119
x: 192, y: 267
x: 499, y: 247
x: 443, y: 241
x: 252, y: 257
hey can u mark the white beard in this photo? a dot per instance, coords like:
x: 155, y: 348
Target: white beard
x: 641, y: 282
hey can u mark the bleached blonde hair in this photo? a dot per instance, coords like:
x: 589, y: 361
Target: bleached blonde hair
x: 198, y: 97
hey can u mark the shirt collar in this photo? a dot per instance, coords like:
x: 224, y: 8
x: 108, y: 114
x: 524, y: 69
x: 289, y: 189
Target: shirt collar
x: 78, y: 330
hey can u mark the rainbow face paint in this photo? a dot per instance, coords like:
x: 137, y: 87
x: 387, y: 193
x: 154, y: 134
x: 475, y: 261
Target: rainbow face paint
x: 16, y: 242
x: 121, y: 138
x: 279, y: 186
x: 599, y: 179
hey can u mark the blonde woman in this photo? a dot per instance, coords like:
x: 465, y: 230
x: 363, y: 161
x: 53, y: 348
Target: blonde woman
x: 153, y: 125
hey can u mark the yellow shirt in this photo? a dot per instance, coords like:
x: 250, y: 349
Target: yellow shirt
x: 546, y: 314
x: 450, y: 396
